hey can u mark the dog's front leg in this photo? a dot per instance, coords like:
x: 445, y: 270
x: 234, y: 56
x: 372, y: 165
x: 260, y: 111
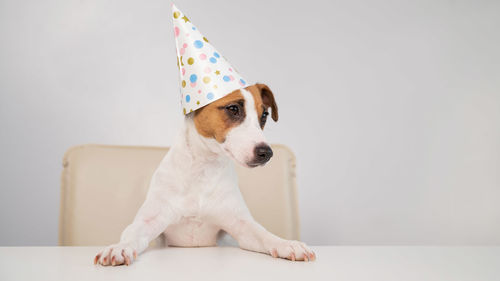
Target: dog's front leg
x: 254, y: 237
x: 151, y: 220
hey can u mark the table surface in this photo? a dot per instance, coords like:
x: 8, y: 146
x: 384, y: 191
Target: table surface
x: 227, y: 263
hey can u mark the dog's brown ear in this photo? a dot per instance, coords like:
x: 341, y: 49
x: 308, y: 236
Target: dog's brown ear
x: 268, y: 100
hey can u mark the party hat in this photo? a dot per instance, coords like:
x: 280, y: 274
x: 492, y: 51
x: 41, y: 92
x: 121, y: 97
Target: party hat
x: 205, y: 74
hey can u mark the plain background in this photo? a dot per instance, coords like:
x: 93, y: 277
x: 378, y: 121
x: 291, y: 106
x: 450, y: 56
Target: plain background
x: 392, y: 107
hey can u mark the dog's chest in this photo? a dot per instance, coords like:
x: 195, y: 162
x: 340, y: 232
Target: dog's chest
x: 196, y: 203
x: 202, y: 189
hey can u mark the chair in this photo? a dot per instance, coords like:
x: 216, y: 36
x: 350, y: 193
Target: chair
x: 103, y: 186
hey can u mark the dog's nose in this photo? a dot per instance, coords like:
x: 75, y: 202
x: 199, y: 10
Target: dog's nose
x: 262, y: 154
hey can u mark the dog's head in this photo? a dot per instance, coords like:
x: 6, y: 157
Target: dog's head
x: 236, y: 122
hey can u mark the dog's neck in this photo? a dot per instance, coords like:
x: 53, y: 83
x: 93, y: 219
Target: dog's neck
x: 197, y: 149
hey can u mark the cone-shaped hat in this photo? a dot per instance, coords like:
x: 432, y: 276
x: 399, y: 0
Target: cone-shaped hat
x: 205, y: 74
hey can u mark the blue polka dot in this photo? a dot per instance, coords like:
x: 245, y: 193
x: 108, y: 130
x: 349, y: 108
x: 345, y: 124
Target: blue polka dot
x: 194, y: 28
x: 198, y: 44
x: 243, y: 81
x: 216, y: 55
x: 210, y: 96
x: 213, y: 60
x: 226, y: 78
x: 193, y: 78
x: 188, y: 98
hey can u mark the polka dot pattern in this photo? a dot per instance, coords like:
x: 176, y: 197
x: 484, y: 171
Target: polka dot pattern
x: 205, y: 74
x: 198, y: 44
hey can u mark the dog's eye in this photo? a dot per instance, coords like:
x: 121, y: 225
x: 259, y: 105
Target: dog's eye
x: 263, y: 118
x: 233, y: 109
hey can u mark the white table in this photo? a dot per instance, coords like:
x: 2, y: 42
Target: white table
x: 365, y: 263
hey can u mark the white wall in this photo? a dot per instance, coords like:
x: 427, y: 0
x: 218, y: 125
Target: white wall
x: 392, y: 107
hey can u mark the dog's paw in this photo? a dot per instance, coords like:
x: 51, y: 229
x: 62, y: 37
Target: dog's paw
x: 116, y: 254
x: 292, y: 250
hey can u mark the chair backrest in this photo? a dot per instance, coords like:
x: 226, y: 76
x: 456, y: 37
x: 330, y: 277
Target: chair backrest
x: 103, y: 186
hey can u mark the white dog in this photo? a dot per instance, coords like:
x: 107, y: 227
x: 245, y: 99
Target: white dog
x: 194, y: 192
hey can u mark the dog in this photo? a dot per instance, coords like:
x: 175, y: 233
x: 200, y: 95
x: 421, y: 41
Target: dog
x: 194, y: 194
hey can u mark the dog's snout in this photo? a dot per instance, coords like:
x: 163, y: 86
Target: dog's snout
x: 263, y: 153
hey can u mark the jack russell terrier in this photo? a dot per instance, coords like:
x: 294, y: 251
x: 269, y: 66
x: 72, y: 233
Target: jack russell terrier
x: 194, y: 192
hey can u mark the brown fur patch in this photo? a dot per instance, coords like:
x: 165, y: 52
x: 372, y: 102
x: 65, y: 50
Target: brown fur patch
x: 212, y: 120
x: 264, y: 99
x: 257, y: 99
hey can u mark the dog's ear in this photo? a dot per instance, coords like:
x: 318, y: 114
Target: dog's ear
x: 268, y: 100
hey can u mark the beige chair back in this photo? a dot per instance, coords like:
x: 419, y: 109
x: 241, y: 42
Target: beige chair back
x: 103, y: 186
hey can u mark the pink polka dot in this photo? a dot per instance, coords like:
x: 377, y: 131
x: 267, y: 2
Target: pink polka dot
x: 183, y: 71
x: 193, y: 85
x: 182, y: 51
x: 184, y: 45
x: 176, y: 31
x: 187, y: 34
x: 208, y: 69
x: 230, y: 69
x: 199, y: 91
x: 231, y: 77
x: 203, y: 57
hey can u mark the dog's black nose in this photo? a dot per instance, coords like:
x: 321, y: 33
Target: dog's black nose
x: 262, y: 154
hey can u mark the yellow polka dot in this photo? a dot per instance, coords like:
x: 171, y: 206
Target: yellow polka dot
x: 183, y: 83
x: 215, y: 86
x: 205, y: 39
x: 206, y: 79
x: 190, y: 111
x: 190, y: 61
x: 198, y: 102
x: 184, y: 111
x: 176, y: 15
